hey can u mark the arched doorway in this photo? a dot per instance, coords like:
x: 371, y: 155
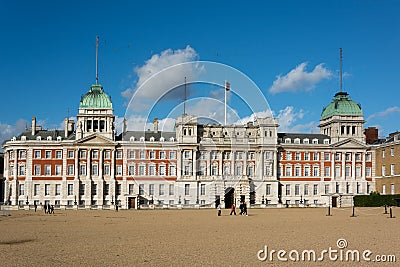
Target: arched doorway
x: 229, y: 197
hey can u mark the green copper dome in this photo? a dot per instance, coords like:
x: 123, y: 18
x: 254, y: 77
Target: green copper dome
x: 341, y: 105
x: 95, y: 98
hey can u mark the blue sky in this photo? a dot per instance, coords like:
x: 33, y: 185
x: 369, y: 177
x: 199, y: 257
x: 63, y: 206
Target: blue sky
x: 289, y: 49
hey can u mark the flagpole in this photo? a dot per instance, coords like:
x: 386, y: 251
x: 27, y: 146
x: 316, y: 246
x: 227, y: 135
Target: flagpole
x: 225, y: 102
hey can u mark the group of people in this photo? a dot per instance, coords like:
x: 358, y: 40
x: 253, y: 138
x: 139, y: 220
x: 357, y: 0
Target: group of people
x: 48, y: 209
x: 242, y: 207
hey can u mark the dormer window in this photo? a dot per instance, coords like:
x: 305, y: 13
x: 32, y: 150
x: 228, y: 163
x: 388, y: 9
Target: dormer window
x: 48, y: 138
x: 39, y: 138
x: 58, y: 138
x: 297, y: 141
x: 315, y: 141
x: 162, y: 139
x: 142, y: 139
x: 288, y: 141
x: 152, y: 139
x: 306, y: 141
x: 23, y: 138
x: 14, y: 138
x: 172, y: 139
x: 131, y: 139
x: 326, y: 141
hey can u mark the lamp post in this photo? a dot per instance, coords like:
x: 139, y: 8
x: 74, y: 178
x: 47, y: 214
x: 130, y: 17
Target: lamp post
x: 112, y: 199
x: 75, y: 200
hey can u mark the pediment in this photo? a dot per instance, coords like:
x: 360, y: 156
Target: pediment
x: 95, y: 139
x: 349, y: 143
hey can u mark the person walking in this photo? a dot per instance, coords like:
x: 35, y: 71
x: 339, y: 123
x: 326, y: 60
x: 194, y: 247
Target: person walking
x: 245, y: 208
x: 219, y: 209
x: 233, y: 209
x: 35, y: 205
x: 241, y: 208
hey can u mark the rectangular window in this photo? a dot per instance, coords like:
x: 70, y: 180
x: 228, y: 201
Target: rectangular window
x: 172, y: 170
x: 37, y: 154
x: 384, y: 189
x: 187, y: 189
x: 82, y: 154
x: 306, y: 191
x: 306, y: 156
x: 227, y: 169
x: 162, y: 155
x: 337, y: 156
x: 161, y: 190
x: 70, y: 154
x: 358, y: 156
x: 21, y: 170
x: 107, y: 154
x: 131, y: 154
x: 316, y: 171
x: 95, y: 154
x: 348, y: 156
x: 238, y: 170
x: 358, y: 171
x: 70, y: 169
x: 131, y: 188
x: 142, y: 154
x: 171, y: 189
x: 131, y: 170
x: 70, y: 189
x: 95, y: 169
x: 267, y: 155
x: 119, y: 154
x: 81, y: 189
x: 358, y: 188
x: 297, y: 156
x: 327, y: 156
x: 202, y: 189
x: 327, y: 189
x: 36, y: 189
x: 162, y: 170
x: 21, y: 190
x: 315, y: 191
x: 141, y: 189
x: 348, y: 171
x: 152, y: 154
x: 368, y: 172
x: 288, y: 189
x: 152, y: 170
x: 47, y: 189
x: 392, y: 189
x: 82, y: 170
x: 306, y: 171
x: 337, y: 171
x: 58, y: 154
x: 288, y: 155
x: 268, y: 170
x: 268, y: 189
x: 58, y: 189
x: 368, y: 157
x: 187, y: 154
x: 296, y: 189
x: 94, y: 189
x: 288, y: 170
x: 172, y: 155
x: 106, y: 190
x: 22, y: 154
x: 327, y: 171
x: 119, y: 170
x: 297, y: 171
x: 392, y: 169
x: 47, y: 154
x: 118, y: 189
x: 58, y: 169
x: 142, y: 169
x: 316, y: 156
x: 383, y: 154
x: 392, y: 152
x: 106, y: 169
x: 47, y: 169
x: 383, y: 170
x: 151, y: 189
x: 187, y: 170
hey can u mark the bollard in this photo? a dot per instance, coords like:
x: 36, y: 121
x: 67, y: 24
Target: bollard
x: 385, y: 210
x: 329, y: 211
x: 391, y: 215
x: 353, y: 215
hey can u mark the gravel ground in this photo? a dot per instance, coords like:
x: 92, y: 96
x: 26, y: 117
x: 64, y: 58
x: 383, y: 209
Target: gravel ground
x: 194, y: 237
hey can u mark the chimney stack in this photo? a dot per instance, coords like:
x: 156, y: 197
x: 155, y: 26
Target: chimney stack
x: 33, y: 127
x: 155, y: 122
x: 66, y: 127
x: 125, y: 126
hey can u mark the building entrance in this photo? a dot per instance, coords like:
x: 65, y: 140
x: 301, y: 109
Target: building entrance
x: 131, y: 202
x: 229, y: 197
x: 334, y: 202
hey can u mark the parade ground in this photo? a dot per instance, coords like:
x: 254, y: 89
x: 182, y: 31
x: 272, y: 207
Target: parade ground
x: 200, y: 238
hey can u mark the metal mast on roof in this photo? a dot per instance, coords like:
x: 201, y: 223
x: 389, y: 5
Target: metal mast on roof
x: 97, y: 59
x: 341, y: 70
x: 184, y: 101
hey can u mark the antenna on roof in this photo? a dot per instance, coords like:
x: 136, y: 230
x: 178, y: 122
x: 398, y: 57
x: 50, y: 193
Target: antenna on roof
x: 184, y: 101
x: 97, y: 59
x: 341, y: 70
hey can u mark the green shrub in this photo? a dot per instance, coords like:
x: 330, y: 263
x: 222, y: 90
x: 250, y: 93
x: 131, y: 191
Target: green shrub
x: 376, y: 200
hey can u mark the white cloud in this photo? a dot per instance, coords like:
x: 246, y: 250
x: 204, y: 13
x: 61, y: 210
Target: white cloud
x: 384, y: 113
x: 156, y: 77
x: 299, y: 79
x: 7, y: 131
